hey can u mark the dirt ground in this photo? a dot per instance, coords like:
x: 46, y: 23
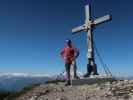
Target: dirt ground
x: 118, y: 90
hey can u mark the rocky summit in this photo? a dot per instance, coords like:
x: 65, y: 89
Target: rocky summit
x: 116, y: 90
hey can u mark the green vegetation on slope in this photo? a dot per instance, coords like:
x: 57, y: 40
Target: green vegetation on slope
x: 12, y: 95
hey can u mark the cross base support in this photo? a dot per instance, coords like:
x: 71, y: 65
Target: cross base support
x: 90, y: 81
x: 91, y: 68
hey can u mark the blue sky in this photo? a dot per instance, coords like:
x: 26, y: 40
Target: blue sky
x: 32, y: 33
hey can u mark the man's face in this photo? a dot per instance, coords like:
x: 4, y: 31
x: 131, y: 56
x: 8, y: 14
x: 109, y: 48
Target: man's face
x: 69, y: 44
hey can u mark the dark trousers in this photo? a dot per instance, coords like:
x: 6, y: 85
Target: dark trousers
x: 75, y: 69
x: 68, y: 66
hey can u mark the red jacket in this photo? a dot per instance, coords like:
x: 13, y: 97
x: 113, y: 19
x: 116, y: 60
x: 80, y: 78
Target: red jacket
x: 69, y: 54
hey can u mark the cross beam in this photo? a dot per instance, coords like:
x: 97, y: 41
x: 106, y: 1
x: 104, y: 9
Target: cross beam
x: 91, y: 23
x: 87, y: 27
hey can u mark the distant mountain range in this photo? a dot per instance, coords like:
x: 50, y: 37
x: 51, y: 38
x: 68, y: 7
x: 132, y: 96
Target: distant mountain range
x: 17, y: 81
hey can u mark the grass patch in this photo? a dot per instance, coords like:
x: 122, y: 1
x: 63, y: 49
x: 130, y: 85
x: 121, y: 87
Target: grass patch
x: 54, y: 81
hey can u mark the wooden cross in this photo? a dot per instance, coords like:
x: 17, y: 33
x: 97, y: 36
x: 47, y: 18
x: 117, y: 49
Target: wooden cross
x: 88, y: 27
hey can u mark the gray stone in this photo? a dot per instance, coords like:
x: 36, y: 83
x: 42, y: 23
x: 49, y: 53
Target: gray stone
x: 90, y: 81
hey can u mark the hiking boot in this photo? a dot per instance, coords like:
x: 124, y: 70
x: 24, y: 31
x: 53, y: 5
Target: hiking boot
x: 67, y: 84
x: 87, y: 75
x: 95, y: 74
x: 76, y: 77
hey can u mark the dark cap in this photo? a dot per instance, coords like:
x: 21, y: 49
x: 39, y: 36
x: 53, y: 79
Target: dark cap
x: 68, y: 41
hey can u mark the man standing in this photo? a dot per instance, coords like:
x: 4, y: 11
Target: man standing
x: 69, y: 54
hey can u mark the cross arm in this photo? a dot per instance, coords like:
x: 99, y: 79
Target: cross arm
x: 78, y: 29
x: 102, y: 19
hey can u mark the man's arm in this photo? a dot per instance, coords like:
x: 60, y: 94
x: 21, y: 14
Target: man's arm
x: 62, y: 53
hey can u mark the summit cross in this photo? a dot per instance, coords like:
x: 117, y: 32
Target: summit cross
x: 88, y: 27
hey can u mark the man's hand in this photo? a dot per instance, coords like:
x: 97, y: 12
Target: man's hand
x: 73, y: 59
x: 65, y: 58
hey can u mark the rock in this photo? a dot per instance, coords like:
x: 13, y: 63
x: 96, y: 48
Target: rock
x: 61, y: 98
x: 33, y: 98
x: 131, y: 82
x: 117, y: 90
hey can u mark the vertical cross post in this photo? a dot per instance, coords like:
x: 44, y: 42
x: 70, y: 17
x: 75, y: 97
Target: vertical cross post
x: 90, y: 51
